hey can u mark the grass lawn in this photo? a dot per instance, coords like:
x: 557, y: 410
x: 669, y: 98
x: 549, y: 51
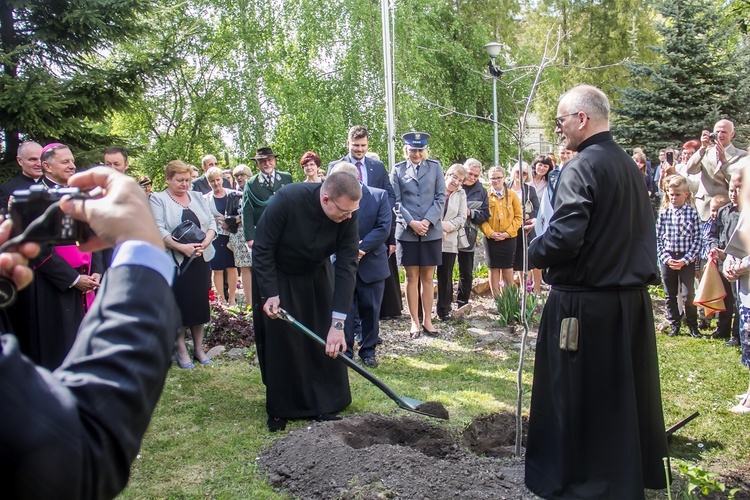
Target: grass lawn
x: 209, y: 426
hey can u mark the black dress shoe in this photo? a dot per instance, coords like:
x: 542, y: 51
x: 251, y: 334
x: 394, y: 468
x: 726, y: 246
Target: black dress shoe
x: 445, y: 317
x: 733, y: 342
x: 694, y: 332
x: 370, y: 362
x: 276, y: 424
x: 719, y: 335
x: 674, y: 331
x: 428, y: 332
x: 327, y: 417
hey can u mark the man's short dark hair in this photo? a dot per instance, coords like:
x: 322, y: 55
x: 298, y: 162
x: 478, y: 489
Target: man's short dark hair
x: 342, y: 183
x: 113, y: 150
x: 358, y: 132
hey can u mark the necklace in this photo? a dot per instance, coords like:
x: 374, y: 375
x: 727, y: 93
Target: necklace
x: 185, y: 207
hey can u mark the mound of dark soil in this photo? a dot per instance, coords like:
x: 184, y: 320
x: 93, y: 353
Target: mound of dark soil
x: 494, y: 435
x: 374, y: 456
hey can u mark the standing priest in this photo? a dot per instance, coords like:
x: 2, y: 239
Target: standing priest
x: 596, y: 428
x: 302, y: 226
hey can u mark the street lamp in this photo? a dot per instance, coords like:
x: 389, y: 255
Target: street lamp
x: 493, y: 50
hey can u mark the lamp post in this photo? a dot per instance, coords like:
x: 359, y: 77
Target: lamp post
x: 493, y: 50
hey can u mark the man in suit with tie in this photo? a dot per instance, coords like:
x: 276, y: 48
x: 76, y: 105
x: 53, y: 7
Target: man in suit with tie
x: 201, y: 183
x: 259, y: 189
x: 371, y: 172
x: 374, y: 227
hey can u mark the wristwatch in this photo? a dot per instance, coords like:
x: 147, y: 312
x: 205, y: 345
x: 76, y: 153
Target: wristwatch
x: 338, y: 325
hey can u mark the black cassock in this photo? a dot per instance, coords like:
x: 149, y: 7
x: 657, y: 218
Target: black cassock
x: 294, y: 241
x: 596, y: 428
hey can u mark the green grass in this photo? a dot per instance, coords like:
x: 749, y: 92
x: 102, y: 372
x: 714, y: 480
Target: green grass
x: 209, y: 427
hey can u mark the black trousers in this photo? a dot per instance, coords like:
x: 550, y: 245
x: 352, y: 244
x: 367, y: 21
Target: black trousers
x: 672, y: 280
x: 445, y: 285
x: 726, y: 325
x: 466, y: 276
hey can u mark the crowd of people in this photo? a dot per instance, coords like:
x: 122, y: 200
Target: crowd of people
x: 326, y: 250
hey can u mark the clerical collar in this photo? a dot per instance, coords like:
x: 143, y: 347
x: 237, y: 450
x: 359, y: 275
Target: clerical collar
x: 50, y: 183
x: 595, y: 139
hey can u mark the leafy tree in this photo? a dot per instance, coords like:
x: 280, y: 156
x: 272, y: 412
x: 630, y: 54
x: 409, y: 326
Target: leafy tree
x: 599, y: 37
x: 692, y: 85
x: 61, y: 72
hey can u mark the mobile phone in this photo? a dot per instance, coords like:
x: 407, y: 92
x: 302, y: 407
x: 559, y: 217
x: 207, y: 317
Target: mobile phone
x: 670, y: 157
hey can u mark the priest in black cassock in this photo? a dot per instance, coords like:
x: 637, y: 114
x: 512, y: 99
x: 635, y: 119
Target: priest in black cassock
x: 48, y: 313
x: 28, y: 158
x: 596, y: 428
x: 302, y: 226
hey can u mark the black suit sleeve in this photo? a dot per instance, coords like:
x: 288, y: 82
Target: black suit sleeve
x: 574, y: 202
x: 54, y: 268
x: 74, y: 433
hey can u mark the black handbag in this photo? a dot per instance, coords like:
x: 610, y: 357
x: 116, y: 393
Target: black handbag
x: 187, y: 232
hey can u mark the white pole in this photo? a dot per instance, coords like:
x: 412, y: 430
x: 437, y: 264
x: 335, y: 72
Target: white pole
x: 494, y: 116
x: 390, y: 122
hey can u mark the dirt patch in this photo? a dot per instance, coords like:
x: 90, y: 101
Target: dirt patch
x: 373, y: 456
x: 494, y: 435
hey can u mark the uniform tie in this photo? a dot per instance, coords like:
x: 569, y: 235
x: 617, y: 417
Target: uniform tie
x: 359, y: 169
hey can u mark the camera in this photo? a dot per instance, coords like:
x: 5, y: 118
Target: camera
x: 712, y: 137
x: 670, y: 157
x: 57, y: 228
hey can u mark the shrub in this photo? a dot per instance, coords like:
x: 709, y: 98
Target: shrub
x: 230, y: 326
x: 509, y: 306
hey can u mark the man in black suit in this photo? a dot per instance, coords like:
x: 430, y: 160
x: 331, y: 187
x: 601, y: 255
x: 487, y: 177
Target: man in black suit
x: 374, y: 228
x: 201, y: 183
x: 28, y: 157
x: 73, y: 433
x: 371, y: 172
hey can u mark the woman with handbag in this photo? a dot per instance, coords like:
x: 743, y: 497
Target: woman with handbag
x: 223, y: 202
x: 242, y: 258
x: 172, y: 208
x: 454, y: 217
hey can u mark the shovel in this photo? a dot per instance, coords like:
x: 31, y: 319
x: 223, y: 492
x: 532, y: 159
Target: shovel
x: 431, y: 409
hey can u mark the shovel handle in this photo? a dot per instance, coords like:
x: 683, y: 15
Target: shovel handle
x: 282, y: 314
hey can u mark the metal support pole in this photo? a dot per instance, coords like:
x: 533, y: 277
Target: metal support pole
x: 494, y: 116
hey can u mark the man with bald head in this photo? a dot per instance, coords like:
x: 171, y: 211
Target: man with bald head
x: 716, y: 162
x: 201, y: 183
x: 28, y: 158
x: 596, y: 428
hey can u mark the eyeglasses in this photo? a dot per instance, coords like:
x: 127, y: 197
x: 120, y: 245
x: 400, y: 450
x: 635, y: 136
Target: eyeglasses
x: 237, y: 176
x: 455, y: 177
x: 343, y: 212
x: 559, y: 120
x: 496, y: 178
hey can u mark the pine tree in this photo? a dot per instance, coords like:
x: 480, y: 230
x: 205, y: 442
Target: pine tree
x: 693, y: 83
x: 61, y: 73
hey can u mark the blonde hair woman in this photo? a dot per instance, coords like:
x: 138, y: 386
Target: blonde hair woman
x: 500, y: 231
x: 171, y: 207
x: 224, y: 203
x: 419, y: 187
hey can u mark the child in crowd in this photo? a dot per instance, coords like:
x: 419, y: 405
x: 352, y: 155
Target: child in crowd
x: 718, y: 240
x: 678, y: 241
x: 717, y: 202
